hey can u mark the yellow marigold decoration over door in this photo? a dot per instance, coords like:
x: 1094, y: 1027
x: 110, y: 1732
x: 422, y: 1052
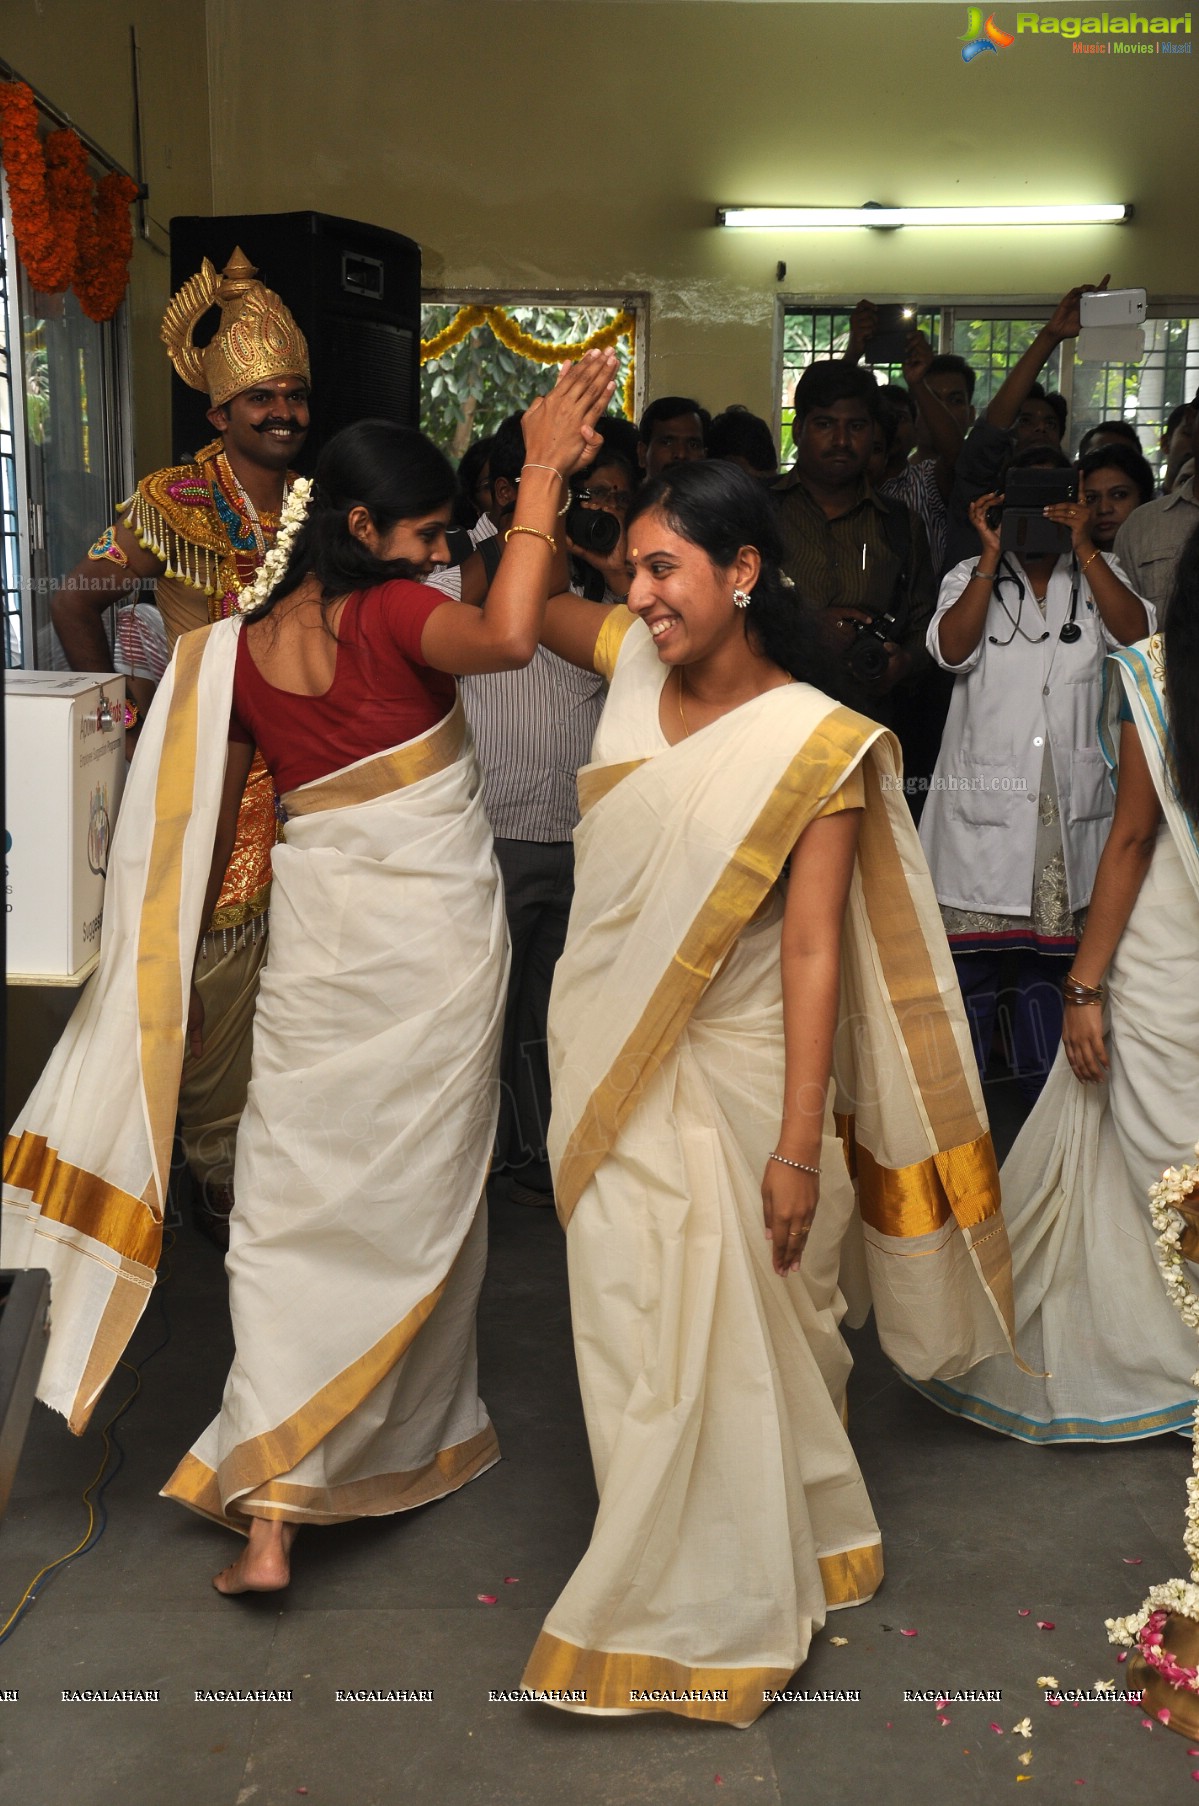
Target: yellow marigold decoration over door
x: 538, y: 351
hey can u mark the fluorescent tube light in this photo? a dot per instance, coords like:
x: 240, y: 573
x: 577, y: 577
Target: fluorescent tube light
x: 808, y: 219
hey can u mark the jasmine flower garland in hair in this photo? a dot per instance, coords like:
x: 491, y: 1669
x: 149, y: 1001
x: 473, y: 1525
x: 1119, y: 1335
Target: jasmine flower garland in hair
x: 295, y: 507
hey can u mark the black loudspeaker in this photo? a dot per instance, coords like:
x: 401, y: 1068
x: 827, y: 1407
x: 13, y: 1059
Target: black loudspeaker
x: 355, y: 293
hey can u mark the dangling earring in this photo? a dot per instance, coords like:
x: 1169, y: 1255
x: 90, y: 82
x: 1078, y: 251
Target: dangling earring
x: 741, y: 598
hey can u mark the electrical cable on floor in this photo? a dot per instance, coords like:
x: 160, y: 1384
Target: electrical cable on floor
x: 97, y: 1511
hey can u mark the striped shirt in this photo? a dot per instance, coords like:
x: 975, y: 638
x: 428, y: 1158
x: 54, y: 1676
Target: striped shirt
x: 140, y: 647
x: 533, y: 729
x: 916, y: 487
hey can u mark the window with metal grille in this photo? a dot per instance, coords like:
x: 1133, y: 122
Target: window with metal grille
x: 811, y: 334
x: 992, y: 334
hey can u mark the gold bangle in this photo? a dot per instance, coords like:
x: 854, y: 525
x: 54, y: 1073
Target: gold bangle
x: 1090, y: 560
x: 1074, y: 991
x: 549, y: 539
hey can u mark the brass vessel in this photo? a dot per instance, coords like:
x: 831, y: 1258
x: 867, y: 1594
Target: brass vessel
x: 1181, y: 1637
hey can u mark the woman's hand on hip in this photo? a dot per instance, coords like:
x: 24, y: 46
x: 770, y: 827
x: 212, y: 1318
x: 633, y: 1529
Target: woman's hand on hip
x: 1082, y: 1038
x: 789, y: 1199
x: 559, y: 428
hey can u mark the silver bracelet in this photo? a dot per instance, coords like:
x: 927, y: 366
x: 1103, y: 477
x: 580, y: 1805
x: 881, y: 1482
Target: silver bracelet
x: 799, y: 1165
x: 564, y: 510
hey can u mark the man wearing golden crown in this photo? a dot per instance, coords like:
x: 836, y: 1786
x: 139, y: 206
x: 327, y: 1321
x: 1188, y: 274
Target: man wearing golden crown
x: 197, y: 534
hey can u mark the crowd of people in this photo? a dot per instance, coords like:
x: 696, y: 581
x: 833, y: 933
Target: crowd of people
x: 618, y: 774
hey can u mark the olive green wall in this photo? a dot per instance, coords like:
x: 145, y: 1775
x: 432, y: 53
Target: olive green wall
x: 575, y: 145
x: 546, y: 144
x: 77, y: 53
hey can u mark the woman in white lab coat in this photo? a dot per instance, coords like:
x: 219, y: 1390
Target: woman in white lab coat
x: 1107, y: 1357
x: 1020, y: 803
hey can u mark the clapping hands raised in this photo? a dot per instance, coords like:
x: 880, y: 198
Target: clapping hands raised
x: 559, y: 428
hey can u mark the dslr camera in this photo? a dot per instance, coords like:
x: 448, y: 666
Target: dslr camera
x: 592, y: 529
x: 867, y: 659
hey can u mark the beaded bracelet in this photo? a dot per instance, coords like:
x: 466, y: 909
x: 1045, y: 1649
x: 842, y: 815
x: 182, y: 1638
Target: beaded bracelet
x: 799, y: 1165
x: 549, y: 539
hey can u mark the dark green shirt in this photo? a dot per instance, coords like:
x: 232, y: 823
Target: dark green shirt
x: 874, y: 557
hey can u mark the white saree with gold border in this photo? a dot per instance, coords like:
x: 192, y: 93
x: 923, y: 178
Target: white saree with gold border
x: 87, y: 1162
x: 1091, y: 1312
x: 358, y: 1242
x: 732, y: 1513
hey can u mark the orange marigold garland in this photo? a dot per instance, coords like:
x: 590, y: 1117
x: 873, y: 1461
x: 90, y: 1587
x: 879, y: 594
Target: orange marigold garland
x: 61, y: 236
x: 47, y: 186
x: 25, y: 168
x: 68, y: 194
x: 105, y: 246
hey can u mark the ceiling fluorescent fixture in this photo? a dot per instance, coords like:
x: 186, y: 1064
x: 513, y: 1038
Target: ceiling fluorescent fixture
x: 808, y: 219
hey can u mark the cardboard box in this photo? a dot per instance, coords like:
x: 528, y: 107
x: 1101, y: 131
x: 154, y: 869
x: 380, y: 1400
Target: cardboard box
x: 65, y: 770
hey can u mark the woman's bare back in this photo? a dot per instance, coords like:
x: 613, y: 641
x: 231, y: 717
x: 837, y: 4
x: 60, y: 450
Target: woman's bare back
x: 295, y: 648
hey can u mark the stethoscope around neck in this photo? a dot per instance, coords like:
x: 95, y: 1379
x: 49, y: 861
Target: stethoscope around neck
x: 1070, y: 633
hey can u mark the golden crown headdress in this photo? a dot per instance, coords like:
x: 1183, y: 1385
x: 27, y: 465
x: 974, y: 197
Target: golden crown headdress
x: 256, y: 340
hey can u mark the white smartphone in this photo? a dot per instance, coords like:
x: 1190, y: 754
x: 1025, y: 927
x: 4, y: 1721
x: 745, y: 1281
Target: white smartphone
x: 1112, y: 307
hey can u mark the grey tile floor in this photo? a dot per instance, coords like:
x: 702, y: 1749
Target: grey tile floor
x: 976, y: 1529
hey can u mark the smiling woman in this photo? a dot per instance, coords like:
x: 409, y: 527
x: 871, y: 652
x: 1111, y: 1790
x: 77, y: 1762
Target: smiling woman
x: 744, y: 862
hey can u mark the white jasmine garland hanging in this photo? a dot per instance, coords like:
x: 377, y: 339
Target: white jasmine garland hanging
x: 1174, y: 1204
x: 295, y: 507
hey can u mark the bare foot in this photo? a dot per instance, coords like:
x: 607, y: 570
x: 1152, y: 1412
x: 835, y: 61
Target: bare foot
x: 264, y: 1566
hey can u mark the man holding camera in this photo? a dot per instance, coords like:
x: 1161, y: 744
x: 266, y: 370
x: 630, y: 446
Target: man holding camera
x: 859, y: 556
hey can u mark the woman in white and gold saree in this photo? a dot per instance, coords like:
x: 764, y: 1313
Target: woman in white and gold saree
x: 751, y: 909
x: 358, y: 1240
x: 1122, y: 1100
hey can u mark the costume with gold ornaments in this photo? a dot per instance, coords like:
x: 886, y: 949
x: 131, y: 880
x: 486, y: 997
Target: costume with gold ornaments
x: 198, y: 519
